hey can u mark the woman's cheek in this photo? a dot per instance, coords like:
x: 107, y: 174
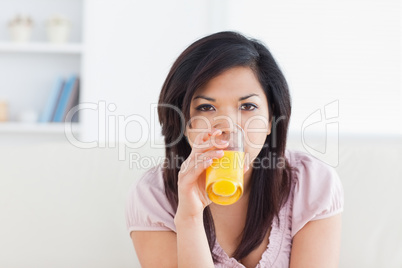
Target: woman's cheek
x: 255, y: 140
x: 256, y: 131
x: 253, y: 144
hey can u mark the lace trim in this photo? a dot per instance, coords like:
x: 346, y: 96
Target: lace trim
x: 275, y: 239
x: 225, y: 261
x: 270, y: 255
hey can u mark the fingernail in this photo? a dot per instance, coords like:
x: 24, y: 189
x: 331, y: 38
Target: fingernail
x: 217, y: 131
x: 219, y: 152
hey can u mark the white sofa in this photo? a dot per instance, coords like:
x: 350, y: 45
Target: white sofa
x: 63, y: 206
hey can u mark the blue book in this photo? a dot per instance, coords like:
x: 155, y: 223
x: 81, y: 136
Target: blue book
x: 65, y: 96
x: 72, y: 102
x: 51, y: 103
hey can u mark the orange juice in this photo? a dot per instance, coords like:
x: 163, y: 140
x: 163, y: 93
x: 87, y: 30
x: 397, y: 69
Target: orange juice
x: 224, y: 178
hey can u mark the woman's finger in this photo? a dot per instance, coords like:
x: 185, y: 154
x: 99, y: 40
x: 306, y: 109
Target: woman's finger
x: 203, y: 142
x: 201, y: 138
x: 198, y: 159
x: 195, y: 171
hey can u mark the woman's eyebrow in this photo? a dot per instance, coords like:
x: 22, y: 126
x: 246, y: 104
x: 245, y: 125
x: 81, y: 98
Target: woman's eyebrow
x: 211, y: 99
x: 204, y: 97
x: 248, y: 96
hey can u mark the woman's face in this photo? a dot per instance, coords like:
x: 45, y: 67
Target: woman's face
x: 235, y: 96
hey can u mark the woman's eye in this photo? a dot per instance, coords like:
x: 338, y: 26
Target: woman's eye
x: 244, y: 107
x: 248, y: 107
x: 205, y: 108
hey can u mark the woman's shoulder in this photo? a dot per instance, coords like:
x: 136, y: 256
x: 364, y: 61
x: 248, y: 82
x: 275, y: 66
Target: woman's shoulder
x: 150, y: 185
x: 317, y: 190
x: 307, y: 168
x: 151, y: 179
x: 147, y: 206
x: 298, y: 158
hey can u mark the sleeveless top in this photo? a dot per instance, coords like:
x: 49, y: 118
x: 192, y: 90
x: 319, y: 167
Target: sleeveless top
x: 316, y: 193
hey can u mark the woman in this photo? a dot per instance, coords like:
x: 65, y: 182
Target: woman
x: 290, y: 211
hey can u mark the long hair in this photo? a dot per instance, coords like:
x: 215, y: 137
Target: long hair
x: 199, y: 63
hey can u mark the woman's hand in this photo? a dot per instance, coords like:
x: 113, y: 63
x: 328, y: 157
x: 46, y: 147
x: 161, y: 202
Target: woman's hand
x: 191, y: 182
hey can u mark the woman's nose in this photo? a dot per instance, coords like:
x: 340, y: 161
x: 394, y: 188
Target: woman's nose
x: 227, y: 118
x: 225, y: 123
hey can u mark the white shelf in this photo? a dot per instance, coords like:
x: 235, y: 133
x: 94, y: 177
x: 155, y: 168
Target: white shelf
x: 36, y: 128
x: 41, y: 47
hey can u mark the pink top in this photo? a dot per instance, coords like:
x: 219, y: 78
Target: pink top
x: 316, y: 193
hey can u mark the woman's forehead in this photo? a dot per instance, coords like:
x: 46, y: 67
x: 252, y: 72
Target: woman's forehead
x: 237, y: 81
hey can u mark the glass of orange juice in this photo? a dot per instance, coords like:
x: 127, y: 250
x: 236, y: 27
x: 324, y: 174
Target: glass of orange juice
x: 224, y: 177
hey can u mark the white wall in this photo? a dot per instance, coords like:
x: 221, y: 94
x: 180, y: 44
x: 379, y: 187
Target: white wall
x: 342, y: 50
x: 343, y: 53
x: 130, y: 46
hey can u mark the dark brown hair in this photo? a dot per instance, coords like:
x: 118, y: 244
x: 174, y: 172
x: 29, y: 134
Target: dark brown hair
x: 200, y: 62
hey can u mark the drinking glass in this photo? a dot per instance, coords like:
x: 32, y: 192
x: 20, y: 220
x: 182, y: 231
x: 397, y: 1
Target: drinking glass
x: 224, y: 177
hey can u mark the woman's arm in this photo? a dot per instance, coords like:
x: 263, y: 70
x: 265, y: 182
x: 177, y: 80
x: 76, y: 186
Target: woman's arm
x: 155, y: 248
x: 164, y: 249
x: 188, y: 247
x: 317, y: 244
x: 192, y: 243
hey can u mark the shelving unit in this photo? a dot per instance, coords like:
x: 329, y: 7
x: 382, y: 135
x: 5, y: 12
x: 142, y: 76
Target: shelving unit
x: 41, y: 47
x: 29, y: 70
x: 37, y: 128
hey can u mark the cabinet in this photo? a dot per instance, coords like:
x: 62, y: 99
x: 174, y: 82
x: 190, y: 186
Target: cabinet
x: 28, y: 70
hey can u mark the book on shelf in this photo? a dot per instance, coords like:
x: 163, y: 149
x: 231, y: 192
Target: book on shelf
x: 64, y: 96
x: 72, y: 101
x: 51, y: 103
